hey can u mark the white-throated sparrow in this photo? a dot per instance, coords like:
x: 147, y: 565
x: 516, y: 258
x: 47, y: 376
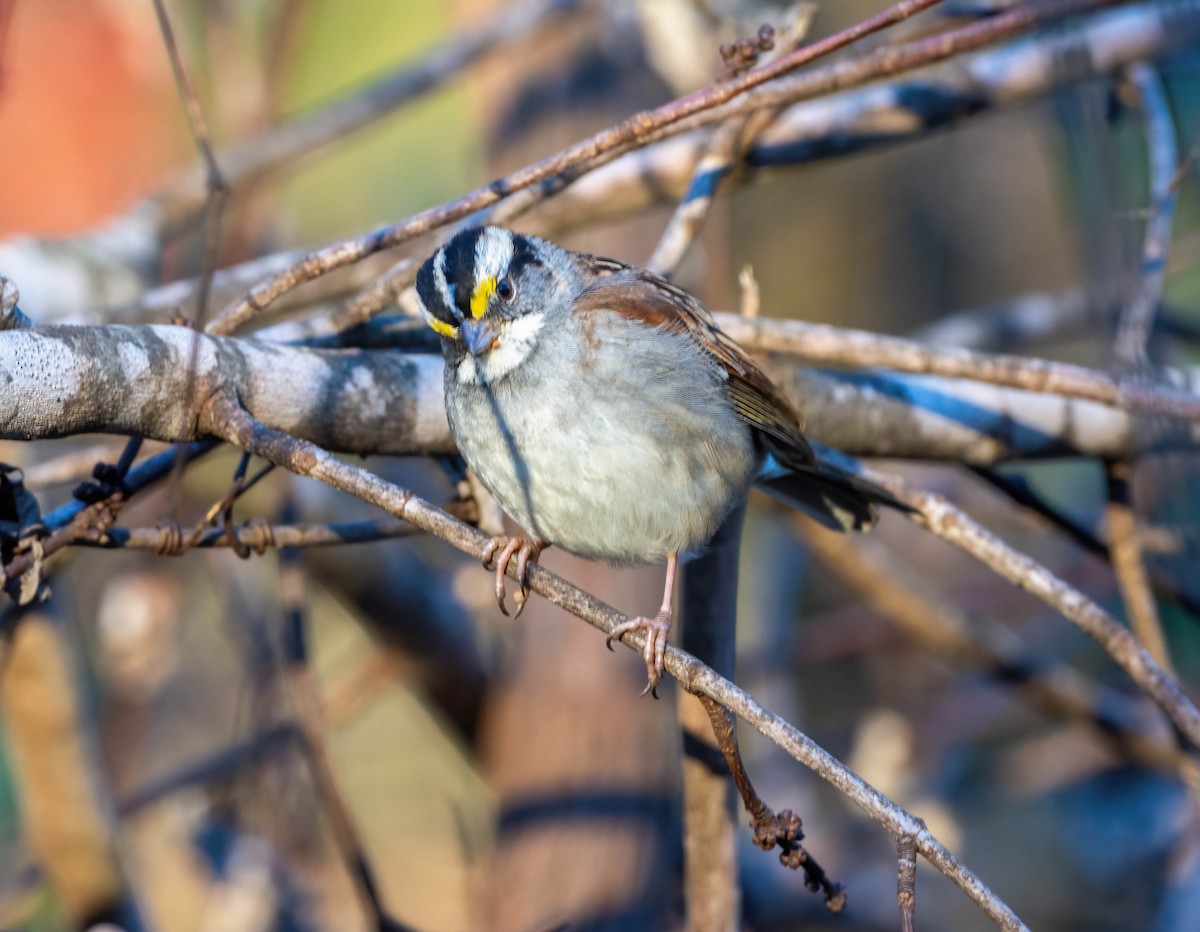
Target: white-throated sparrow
x: 608, y: 415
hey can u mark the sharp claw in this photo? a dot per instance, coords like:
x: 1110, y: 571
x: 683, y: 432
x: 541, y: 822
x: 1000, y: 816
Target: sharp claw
x: 654, y: 651
x: 527, y: 551
x: 500, y: 592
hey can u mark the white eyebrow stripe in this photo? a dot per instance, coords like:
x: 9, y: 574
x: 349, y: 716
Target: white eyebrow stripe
x: 493, y: 253
x: 443, y: 286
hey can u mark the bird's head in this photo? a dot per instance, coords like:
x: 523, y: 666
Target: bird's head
x: 489, y: 293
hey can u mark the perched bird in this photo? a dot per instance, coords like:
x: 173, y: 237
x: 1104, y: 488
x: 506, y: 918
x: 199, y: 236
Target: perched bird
x: 608, y: 414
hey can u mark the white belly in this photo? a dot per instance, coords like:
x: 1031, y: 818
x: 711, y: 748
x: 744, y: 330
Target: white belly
x: 630, y: 477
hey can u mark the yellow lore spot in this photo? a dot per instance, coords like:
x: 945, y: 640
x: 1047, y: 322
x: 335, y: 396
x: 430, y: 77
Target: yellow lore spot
x: 449, y: 331
x: 483, y: 292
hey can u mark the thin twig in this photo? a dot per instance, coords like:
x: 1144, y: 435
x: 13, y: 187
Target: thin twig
x: 951, y: 524
x: 1132, y: 346
x: 839, y: 346
x: 653, y: 124
x: 906, y: 881
x: 1125, y: 550
x: 1053, y: 687
x: 224, y: 417
x: 1136, y: 323
x: 1020, y: 492
x: 783, y: 829
x: 258, y: 535
x: 309, y: 713
x: 251, y: 159
x: 217, y: 192
x: 725, y: 150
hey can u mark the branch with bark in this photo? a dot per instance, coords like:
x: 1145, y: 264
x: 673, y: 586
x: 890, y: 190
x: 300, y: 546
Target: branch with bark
x: 133, y: 380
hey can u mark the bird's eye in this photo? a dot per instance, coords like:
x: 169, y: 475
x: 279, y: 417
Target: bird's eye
x: 506, y: 289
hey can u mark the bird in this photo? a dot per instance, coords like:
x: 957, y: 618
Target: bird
x: 609, y: 416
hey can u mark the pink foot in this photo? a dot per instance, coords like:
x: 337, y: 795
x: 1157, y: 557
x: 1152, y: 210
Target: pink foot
x: 527, y: 552
x: 655, y: 650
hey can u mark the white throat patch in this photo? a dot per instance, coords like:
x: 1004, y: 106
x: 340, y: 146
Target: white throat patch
x: 516, y: 339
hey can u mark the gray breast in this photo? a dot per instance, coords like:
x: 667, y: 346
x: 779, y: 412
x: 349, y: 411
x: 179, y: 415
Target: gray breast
x: 610, y: 445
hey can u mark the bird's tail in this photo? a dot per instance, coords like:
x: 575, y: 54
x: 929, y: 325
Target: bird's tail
x: 831, y: 496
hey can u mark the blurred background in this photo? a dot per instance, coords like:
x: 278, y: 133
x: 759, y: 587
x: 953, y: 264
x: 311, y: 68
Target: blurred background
x: 501, y: 774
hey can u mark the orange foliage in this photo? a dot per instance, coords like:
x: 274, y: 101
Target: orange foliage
x: 89, y: 115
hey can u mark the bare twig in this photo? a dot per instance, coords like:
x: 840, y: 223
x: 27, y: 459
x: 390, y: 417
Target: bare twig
x: 649, y: 125
x: 783, y: 829
x: 1019, y: 491
x: 1131, y: 347
x: 258, y: 535
x: 726, y: 149
x: 217, y: 192
x: 951, y: 524
x: 381, y: 293
x: 309, y: 713
x: 1137, y: 319
x: 223, y: 417
x: 1125, y: 549
x: 821, y: 343
x: 906, y: 881
x: 1054, y: 688
x: 215, y: 187
x: 302, y: 136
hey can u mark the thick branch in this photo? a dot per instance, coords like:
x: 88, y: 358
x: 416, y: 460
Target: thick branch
x: 132, y: 380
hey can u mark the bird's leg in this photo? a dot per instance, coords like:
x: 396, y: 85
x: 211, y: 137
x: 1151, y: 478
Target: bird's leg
x: 656, y: 628
x: 527, y: 552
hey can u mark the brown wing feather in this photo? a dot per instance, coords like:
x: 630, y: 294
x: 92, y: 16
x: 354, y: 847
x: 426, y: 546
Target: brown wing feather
x: 641, y: 295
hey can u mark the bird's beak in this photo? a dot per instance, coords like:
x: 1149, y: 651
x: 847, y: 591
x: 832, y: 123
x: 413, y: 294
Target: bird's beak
x: 478, y: 335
